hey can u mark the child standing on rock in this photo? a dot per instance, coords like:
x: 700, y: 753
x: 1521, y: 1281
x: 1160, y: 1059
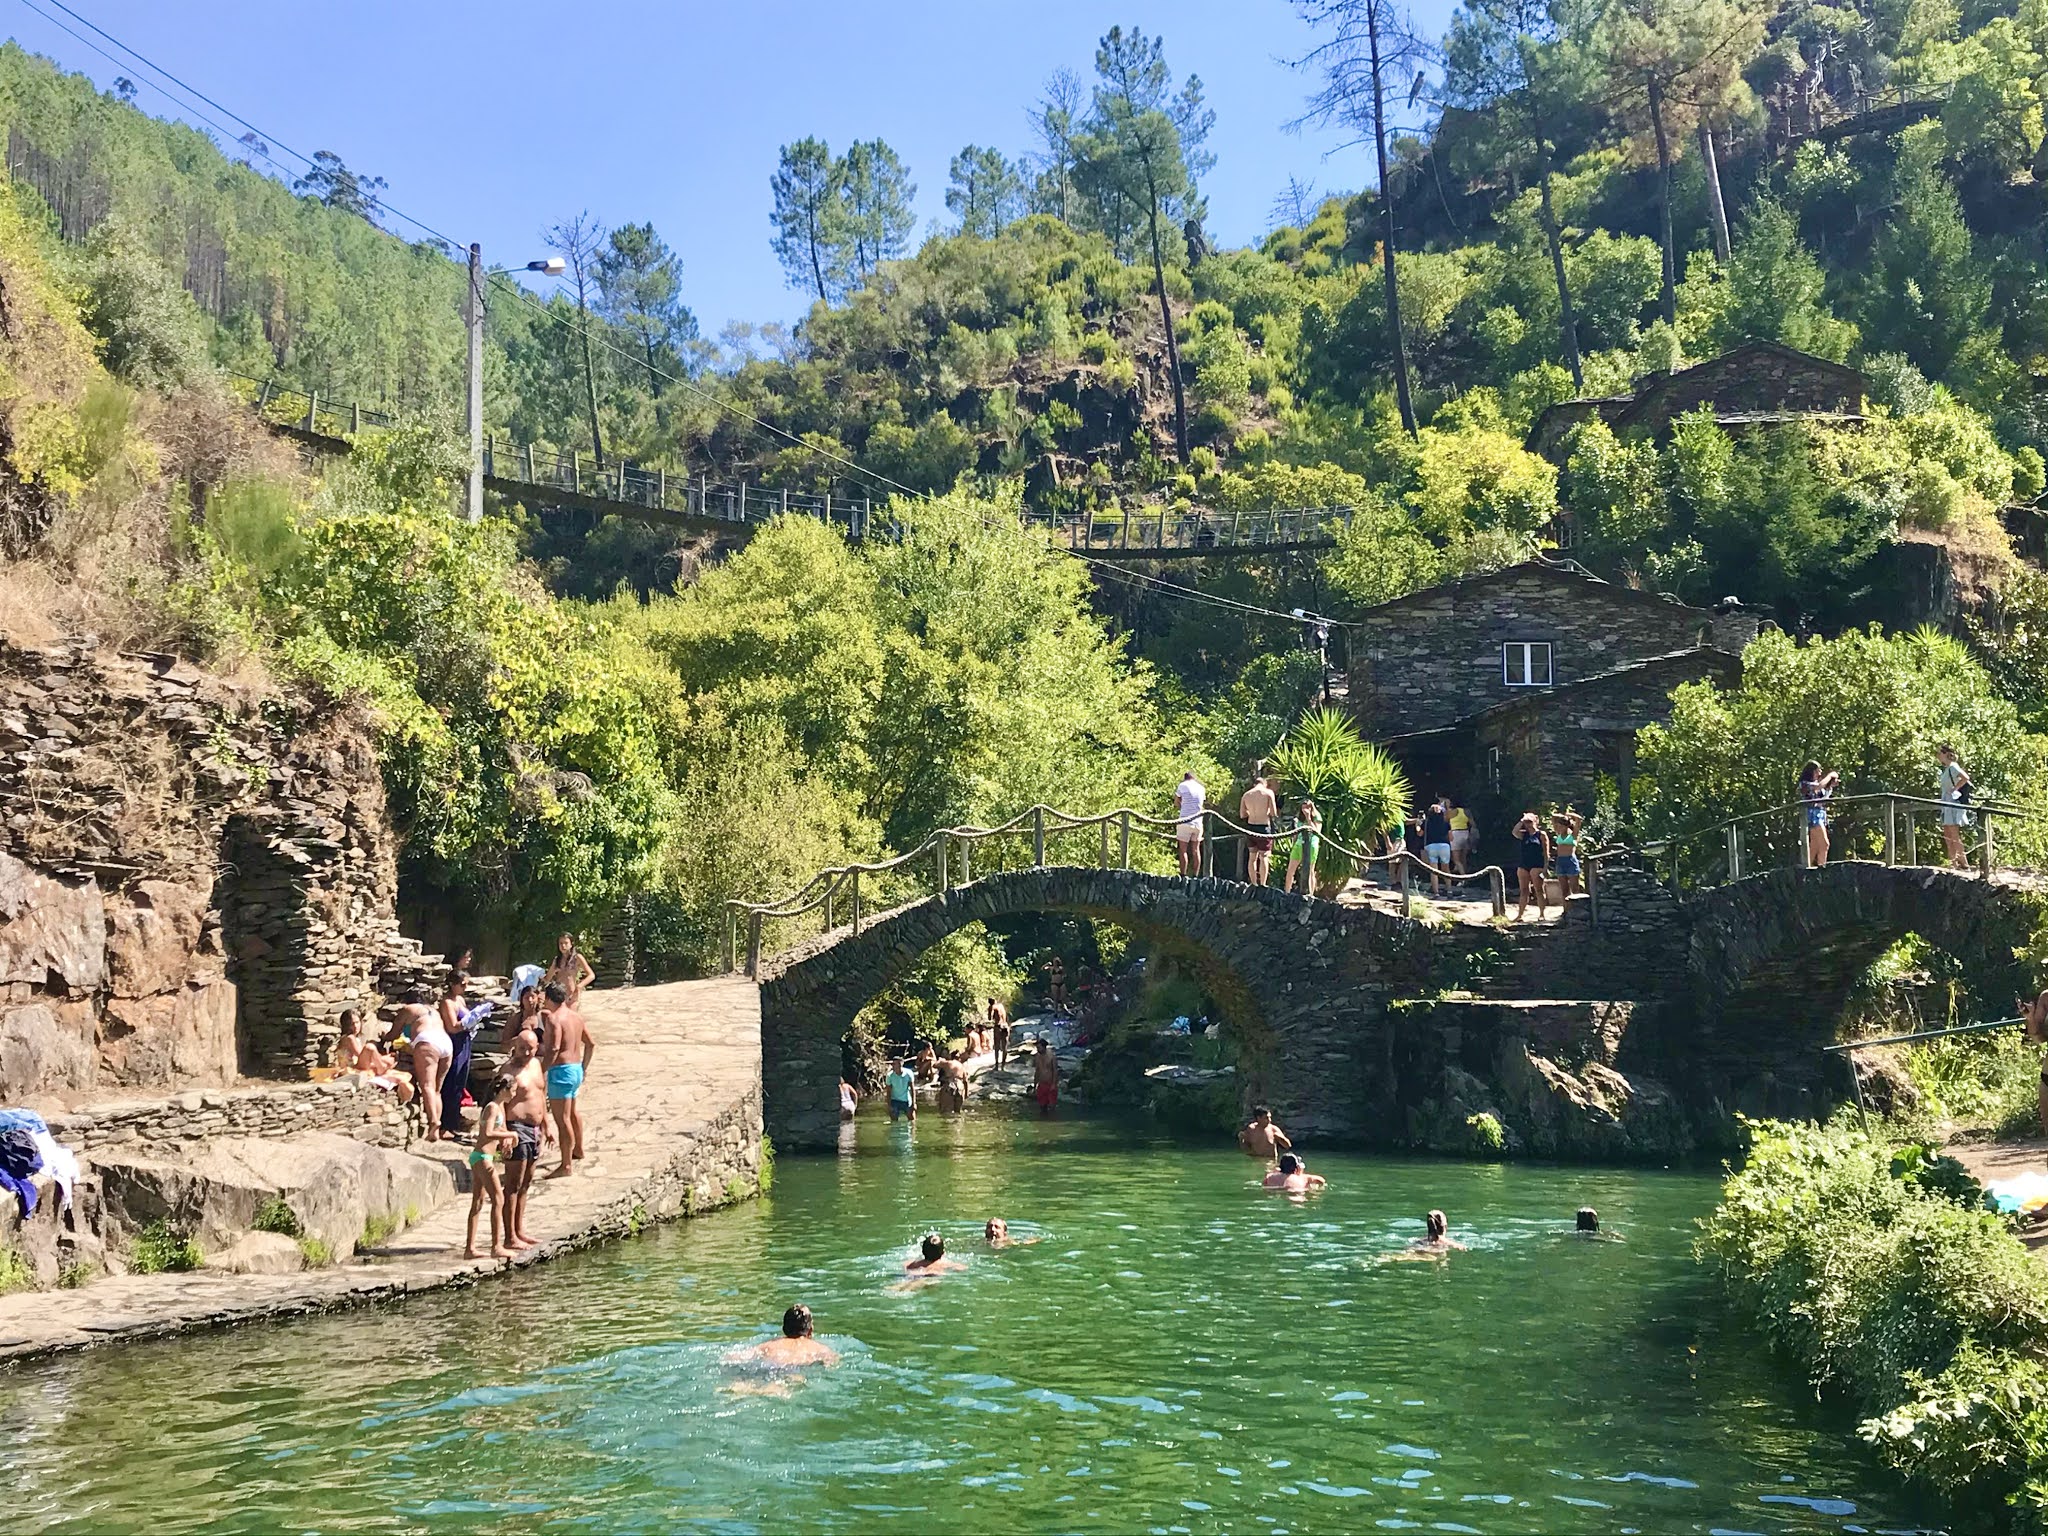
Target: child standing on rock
x: 493, y: 1139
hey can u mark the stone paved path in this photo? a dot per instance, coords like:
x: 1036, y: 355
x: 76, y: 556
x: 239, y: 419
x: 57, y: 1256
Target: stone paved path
x: 677, y: 1072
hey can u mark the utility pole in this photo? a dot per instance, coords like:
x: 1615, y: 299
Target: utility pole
x: 473, y: 312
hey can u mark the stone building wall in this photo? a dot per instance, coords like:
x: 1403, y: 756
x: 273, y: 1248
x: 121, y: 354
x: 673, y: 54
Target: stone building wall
x: 1561, y: 739
x: 1433, y: 658
x: 195, y: 879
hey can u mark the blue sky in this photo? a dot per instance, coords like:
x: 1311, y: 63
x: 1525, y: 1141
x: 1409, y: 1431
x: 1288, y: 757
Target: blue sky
x: 492, y: 121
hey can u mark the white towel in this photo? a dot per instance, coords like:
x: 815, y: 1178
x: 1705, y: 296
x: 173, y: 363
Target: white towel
x: 61, y: 1162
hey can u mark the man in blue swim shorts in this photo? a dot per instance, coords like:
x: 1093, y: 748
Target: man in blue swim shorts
x: 569, y: 1049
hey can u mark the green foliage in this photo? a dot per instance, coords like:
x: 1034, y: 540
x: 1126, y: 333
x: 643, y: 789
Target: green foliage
x: 275, y: 1215
x: 15, y: 1273
x: 766, y: 1179
x: 1775, y: 291
x: 159, y: 1247
x: 378, y: 1229
x: 316, y: 1252
x: 1485, y: 1136
x: 1868, y: 1266
x: 150, y: 332
x: 1357, y: 786
x: 1870, y: 705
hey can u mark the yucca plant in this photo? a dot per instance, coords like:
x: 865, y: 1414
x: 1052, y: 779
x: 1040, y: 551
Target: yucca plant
x: 1359, y: 788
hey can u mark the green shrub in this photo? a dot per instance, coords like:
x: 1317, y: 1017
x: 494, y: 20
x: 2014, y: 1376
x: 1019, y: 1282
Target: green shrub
x: 15, y: 1274
x: 377, y: 1231
x: 1875, y: 1268
x: 1485, y: 1134
x: 316, y: 1252
x: 159, y: 1247
x: 767, y: 1177
x: 78, y: 1273
x: 276, y: 1216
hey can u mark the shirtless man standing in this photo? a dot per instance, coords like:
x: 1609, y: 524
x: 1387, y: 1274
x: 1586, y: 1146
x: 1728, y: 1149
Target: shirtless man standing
x: 1262, y: 1138
x: 569, y: 1049
x: 525, y: 1107
x: 1257, y: 807
x: 952, y: 1084
x: 999, y: 1030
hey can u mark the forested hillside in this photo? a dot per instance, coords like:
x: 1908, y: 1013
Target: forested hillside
x: 1578, y: 195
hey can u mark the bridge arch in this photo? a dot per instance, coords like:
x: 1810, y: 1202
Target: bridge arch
x: 1774, y: 958
x: 1304, y: 984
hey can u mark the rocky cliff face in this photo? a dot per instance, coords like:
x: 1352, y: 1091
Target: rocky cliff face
x: 195, y: 879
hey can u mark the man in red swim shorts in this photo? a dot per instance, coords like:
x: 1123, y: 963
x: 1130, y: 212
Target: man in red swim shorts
x: 1045, y: 1072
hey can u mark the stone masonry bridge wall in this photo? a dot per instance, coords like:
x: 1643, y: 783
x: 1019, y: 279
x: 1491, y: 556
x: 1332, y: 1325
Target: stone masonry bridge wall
x: 1303, y: 986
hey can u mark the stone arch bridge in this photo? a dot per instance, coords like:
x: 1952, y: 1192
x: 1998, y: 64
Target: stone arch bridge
x: 1730, y: 994
x: 1302, y: 985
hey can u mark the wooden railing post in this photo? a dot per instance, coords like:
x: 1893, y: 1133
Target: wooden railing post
x: 1124, y: 837
x: 732, y: 940
x: 1102, y: 861
x: 1990, y: 859
x: 829, y: 883
x: 1497, y: 882
x: 527, y: 452
x: 1592, y: 891
x: 853, y: 895
x: 1207, y: 868
x: 575, y: 469
x: 1891, y: 830
x: 1038, y: 836
x: 754, y: 946
x: 355, y: 420
x: 312, y: 409
x: 1805, y: 843
x: 966, y: 862
x: 1912, y: 842
x: 1734, y: 852
x: 940, y: 849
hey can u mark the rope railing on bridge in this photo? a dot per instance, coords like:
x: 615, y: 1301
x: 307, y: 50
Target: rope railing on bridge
x: 948, y: 854
x: 627, y: 488
x: 1886, y: 824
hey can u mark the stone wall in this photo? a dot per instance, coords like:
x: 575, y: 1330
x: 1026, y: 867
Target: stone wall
x: 195, y: 879
x: 1433, y: 658
x: 1561, y: 739
x: 168, y: 1126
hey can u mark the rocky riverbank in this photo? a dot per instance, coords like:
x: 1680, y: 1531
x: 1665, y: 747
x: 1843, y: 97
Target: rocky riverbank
x: 673, y: 1115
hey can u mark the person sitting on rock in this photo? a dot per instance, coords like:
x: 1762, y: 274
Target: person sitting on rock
x: 352, y: 1053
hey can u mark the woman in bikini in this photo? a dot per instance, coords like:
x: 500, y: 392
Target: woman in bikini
x: 352, y: 1053
x: 570, y: 971
x: 432, y: 1051
x: 1532, y: 850
x: 1564, y: 843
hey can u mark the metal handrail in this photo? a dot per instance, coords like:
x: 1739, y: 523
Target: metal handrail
x: 1732, y: 829
x: 822, y: 889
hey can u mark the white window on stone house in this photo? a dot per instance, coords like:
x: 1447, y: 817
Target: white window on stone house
x: 1525, y: 663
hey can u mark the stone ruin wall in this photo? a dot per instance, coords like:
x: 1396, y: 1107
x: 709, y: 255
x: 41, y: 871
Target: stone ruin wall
x: 195, y: 879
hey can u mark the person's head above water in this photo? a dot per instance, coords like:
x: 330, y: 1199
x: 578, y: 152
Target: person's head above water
x: 995, y: 1228
x: 1588, y: 1219
x: 796, y: 1322
x: 1261, y: 1114
x: 934, y: 1247
x: 1436, y: 1224
x: 1289, y: 1163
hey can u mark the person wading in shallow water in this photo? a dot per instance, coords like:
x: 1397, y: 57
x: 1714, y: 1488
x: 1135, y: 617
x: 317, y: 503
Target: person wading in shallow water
x: 1262, y: 1138
x: 1045, y: 1078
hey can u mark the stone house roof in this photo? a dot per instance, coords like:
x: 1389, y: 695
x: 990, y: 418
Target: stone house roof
x: 1759, y: 383
x: 1570, y: 577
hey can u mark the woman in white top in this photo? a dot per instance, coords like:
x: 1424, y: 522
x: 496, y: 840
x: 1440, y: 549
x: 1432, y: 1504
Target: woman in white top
x: 432, y: 1051
x: 1955, y: 794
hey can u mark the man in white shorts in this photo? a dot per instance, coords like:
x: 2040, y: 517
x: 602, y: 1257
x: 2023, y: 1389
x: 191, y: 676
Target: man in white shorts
x: 1188, y: 800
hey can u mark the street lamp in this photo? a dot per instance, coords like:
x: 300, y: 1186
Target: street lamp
x: 1322, y: 628
x: 473, y: 315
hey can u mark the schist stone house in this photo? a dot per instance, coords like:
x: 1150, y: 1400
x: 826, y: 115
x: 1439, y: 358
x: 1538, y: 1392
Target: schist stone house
x: 1522, y: 687
x: 1759, y: 384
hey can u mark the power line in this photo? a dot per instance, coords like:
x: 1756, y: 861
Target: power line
x: 874, y: 479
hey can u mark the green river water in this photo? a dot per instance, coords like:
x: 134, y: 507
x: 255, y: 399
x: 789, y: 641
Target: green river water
x: 1180, y: 1352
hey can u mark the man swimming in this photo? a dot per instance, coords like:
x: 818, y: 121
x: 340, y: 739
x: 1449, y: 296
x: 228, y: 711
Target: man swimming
x: 1262, y: 1138
x: 781, y: 1359
x: 931, y: 1259
x: 997, y: 1231
x: 1292, y: 1178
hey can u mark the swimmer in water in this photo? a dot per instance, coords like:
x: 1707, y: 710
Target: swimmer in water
x: 1587, y: 1225
x: 1438, y: 1242
x: 783, y: 1358
x: 931, y: 1259
x: 1292, y: 1178
x: 997, y: 1231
